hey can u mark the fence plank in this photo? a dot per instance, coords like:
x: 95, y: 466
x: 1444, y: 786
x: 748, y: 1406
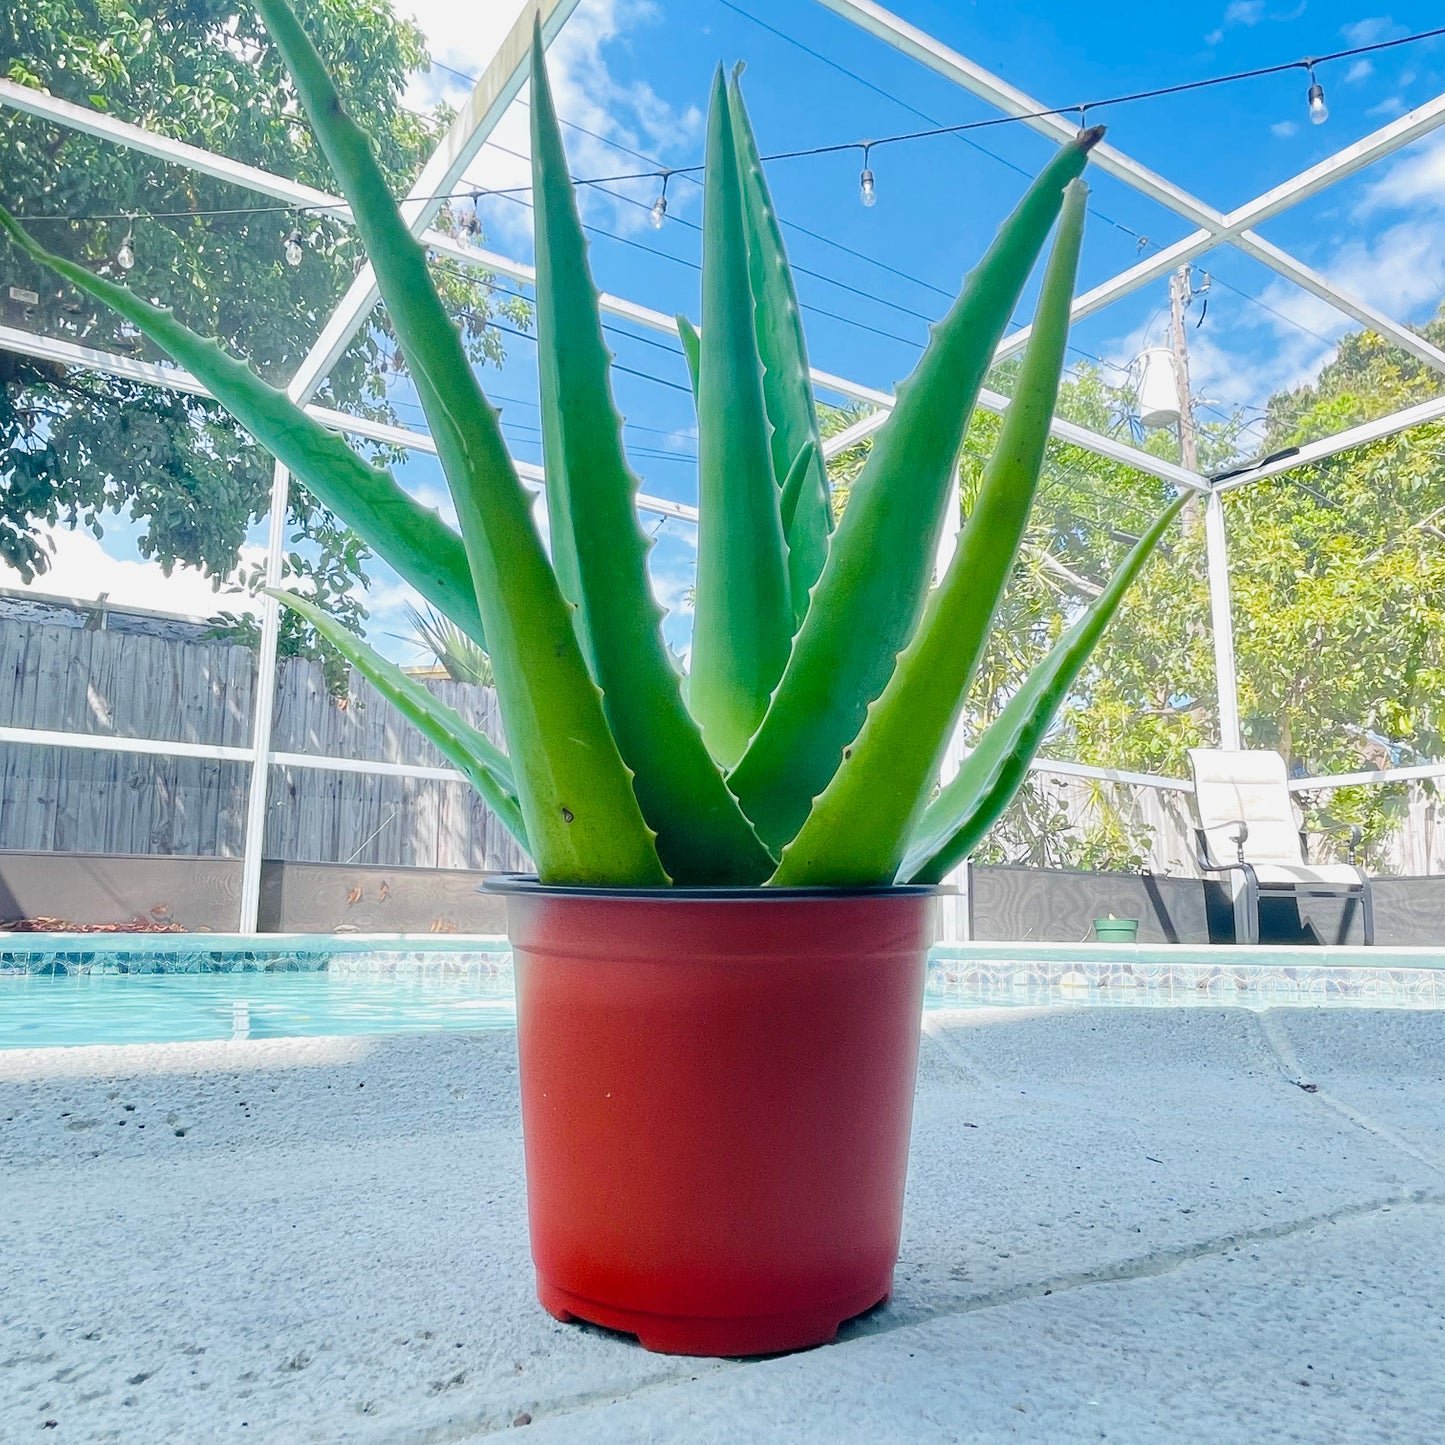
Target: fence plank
x: 64, y: 678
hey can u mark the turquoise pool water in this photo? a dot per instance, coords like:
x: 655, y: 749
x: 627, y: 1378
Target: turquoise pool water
x: 45, y: 1011
x: 64, y: 990
x: 40, y: 1011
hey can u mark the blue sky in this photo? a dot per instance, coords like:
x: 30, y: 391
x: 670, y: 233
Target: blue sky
x: 638, y: 71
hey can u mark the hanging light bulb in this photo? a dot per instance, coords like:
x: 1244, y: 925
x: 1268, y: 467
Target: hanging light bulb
x: 658, y: 214
x: 292, y: 249
x: 472, y: 226
x: 125, y: 257
x: 867, y: 191
x: 1319, y: 111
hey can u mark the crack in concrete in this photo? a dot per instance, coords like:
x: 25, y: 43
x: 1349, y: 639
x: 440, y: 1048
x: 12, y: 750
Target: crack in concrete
x: 1158, y: 1262
x: 1147, y: 1266
x: 1150, y: 1265
x: 1277, y: 1041
x: 475, y: 1427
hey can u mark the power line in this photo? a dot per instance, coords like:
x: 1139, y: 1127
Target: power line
x: 693, y: 226
x: 797, y: 226
x: 1078, y: 108
x: 959, y: 131
x: 497, y: 399
x: 692, y: 265
x: 616, y: 365
x: 912, y: 109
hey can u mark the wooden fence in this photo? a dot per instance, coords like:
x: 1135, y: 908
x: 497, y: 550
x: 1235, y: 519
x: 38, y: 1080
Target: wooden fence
x: 187, y: 689
x: 125, y: 684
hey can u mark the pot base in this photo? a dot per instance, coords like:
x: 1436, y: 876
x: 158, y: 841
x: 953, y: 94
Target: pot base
x: 689, y: 1335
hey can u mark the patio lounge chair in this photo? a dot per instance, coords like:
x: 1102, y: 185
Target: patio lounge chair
x: 1248, y: 830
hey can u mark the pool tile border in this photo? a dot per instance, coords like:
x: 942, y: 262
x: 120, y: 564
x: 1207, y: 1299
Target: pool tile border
x: 1234, y: 974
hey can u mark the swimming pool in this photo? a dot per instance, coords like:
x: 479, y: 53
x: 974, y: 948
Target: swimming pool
x: 75, y: 990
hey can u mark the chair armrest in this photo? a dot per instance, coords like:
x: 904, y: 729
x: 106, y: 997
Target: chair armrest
x: 1352, y: 833
x: 1239, y: 838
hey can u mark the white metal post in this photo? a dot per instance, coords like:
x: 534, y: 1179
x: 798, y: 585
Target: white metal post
x: 953, y: 909
x: 498, y: 85
x: 263, y: 703
x: 1221, y: 622
x: 1226, y: 687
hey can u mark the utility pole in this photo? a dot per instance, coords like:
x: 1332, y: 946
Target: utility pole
x: 1180, y: 290
x: 1179, y: 293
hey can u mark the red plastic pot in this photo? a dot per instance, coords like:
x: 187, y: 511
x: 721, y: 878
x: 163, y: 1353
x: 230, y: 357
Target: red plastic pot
x: 717, y: 1089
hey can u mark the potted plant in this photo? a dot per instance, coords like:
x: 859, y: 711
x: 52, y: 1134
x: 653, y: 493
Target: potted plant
x: 720, y: 963
x: 1116, y: 930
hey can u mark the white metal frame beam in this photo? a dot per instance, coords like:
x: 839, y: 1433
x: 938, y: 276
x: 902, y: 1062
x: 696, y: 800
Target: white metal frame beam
x: 322, y: 762
x: 1333, y: 169
x: 1059, y: 429
x: 1355, y: 436
x: 928, y: 51
x: 173, y: 378
x: 311, y: 372
x: 1221, y: 622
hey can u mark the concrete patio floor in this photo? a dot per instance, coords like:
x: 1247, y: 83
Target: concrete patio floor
x: 1130, y: 1225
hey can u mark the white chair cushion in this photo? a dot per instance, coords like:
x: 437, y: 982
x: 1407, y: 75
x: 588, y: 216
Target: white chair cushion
x: 1319, y: 875
x: 1251, y: 786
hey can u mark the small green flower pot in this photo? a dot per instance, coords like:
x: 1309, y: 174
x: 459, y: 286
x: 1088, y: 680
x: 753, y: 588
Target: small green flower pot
x: 1116, y: 930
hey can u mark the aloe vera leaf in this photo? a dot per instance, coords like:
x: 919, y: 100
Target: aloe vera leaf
x: 796, y: 480
x: 787, y: 388
x: 858, y: 828
x: 691, y: 349
x: 742, y: 624
x: 956, y: 820
x: 485, y: 765
x: 880, y: 561
x: 575, y: 791
x: 702, y: 836
x: 412, y: 538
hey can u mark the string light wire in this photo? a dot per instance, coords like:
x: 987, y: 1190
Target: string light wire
x: 1078, y: 108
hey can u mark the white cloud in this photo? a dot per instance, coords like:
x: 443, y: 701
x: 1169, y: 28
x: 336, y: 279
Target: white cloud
x: 1283, y: 129
x: 1414, y: 181
x: 1371, y: 29
x: 1249, y: 13
x: 81, y: 567
x: 629, y: 114
x: 1399, y: 270
x: 439, y: 499
x: 673, y: 589
x: 1360, y: 71
x: 1249, y: 351
x: 1390, y: 107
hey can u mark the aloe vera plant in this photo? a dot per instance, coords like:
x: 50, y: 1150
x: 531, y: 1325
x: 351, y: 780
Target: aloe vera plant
x: 827, y: 674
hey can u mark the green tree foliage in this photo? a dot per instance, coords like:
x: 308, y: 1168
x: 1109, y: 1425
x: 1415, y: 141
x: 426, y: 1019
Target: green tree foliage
x: 74, y: 445
x: 1338, y: 580
x: 1339, y: 583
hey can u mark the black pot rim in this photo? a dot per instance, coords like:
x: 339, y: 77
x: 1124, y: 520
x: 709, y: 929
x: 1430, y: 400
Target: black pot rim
x: 530, y: 884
